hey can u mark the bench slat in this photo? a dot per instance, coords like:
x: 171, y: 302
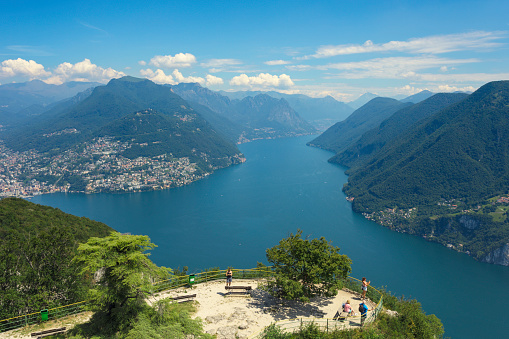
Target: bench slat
x: 52, y: 331
x: 184, y: 296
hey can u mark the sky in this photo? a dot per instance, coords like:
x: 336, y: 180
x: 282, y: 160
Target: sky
x: 342, y: 48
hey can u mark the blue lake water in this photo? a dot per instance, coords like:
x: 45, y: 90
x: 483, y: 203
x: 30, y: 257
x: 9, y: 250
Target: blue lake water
x: 231, y: 218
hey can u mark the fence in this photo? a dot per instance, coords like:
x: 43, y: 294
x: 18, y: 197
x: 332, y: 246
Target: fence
x: 33, y: 318
x: 327, y: 325
x: 205, y: 276
x: 174, y: 282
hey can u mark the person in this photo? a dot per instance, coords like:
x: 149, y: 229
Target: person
x: 363, y: 308
x: 365, y: 285
x: 347, y: 308
x: 229, y: 276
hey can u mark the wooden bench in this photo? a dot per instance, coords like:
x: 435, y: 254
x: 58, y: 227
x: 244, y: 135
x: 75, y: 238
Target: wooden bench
x: 184, y: 298
x: 340, y: 316
x: 47, y: 333
x: 245, y: 289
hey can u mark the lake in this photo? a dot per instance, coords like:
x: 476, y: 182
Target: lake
x: 231, y: 217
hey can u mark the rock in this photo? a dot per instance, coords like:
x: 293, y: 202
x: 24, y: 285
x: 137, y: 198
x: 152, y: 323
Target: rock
x: 391, y: 313
x: 243, y: 325
x: 227, y: 332
x: 499, y: 256
x: 212, y: 331
x: 214, y: 319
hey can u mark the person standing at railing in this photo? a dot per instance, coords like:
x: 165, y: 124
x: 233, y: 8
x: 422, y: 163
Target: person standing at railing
x: 229, y: 277
x: 365, y: 285
x: 363, y: 308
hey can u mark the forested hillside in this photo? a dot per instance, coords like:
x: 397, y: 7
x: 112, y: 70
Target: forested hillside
x: 37, y: 244
x: 343, y: 134
x: 453, y: 161
x: 373, y: 140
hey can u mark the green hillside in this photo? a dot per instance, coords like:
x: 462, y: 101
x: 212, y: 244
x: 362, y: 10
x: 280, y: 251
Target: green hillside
x: 373, y: 140
x: 37, y: 244
x: 151, y: 134
x: 344, y: 133
x: 451, y: 162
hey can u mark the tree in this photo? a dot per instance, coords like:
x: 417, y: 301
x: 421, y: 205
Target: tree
x: 305, y: 268
x: 123, y: 274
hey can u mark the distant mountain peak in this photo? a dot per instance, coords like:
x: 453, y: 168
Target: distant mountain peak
x: 129, y: 78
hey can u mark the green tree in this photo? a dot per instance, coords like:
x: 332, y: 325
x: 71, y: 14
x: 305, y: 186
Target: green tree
x: 123, y: 274
x: 305, y: 268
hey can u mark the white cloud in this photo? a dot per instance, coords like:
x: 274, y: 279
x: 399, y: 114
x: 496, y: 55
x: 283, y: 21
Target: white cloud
x: 213, y: 80
x: 388, y: 68
x: 262, y: 80
x: 277, y: 62
x: 142, y: 63
x: 447, y: 88
x: 177, y: 77
x: 24, y: 68
x: 478, y: 40
x: 178, y: 61
x: 82, y: 71
x: 158, y: 76
x: 180, y: 78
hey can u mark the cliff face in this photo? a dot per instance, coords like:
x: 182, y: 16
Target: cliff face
x: 500, y: 256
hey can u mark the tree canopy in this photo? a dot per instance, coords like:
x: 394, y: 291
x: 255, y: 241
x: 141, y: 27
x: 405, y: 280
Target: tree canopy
x: 305, y: 268
x: 121, y: 269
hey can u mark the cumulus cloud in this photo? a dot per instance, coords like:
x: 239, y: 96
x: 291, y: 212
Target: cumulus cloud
x: 82, y: 71
x: 142, y: 63
x: 180, y: 78
x: 262, y: 80
x: 177, y: 77
x: 277, y: 62
x: 158, y: 76
x: 23, y: 68
x: 213, y: 80
x: 478, y: 40
x: 180, y: 60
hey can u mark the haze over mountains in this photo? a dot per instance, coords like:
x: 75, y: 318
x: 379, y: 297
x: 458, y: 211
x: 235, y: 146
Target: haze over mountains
x: 320, y: 112
x: 21, y: 100
x: 261, y: 116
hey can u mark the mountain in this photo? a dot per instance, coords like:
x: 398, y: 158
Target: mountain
x: 343, y: 134
x: 264, y: 112
x: 108, y: 108
x: 152, y: 134
x: 416, y: 98
x: 373, y: 140
x: 446, y: 169
x: 319, y: 112
x: 362, y: 100
x: 260, y: 116
x: 20, y: 100
x: 458, y: 152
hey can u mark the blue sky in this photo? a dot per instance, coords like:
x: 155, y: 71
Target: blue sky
x: 338, y: 48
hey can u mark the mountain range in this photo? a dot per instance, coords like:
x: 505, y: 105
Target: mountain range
x: 344, y: 133
x: 151, y: 117
x: 261, y: 116
x: 319, y: 112
x: 358, y: 153
x: 438, y: 169
x: 19, y: 101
